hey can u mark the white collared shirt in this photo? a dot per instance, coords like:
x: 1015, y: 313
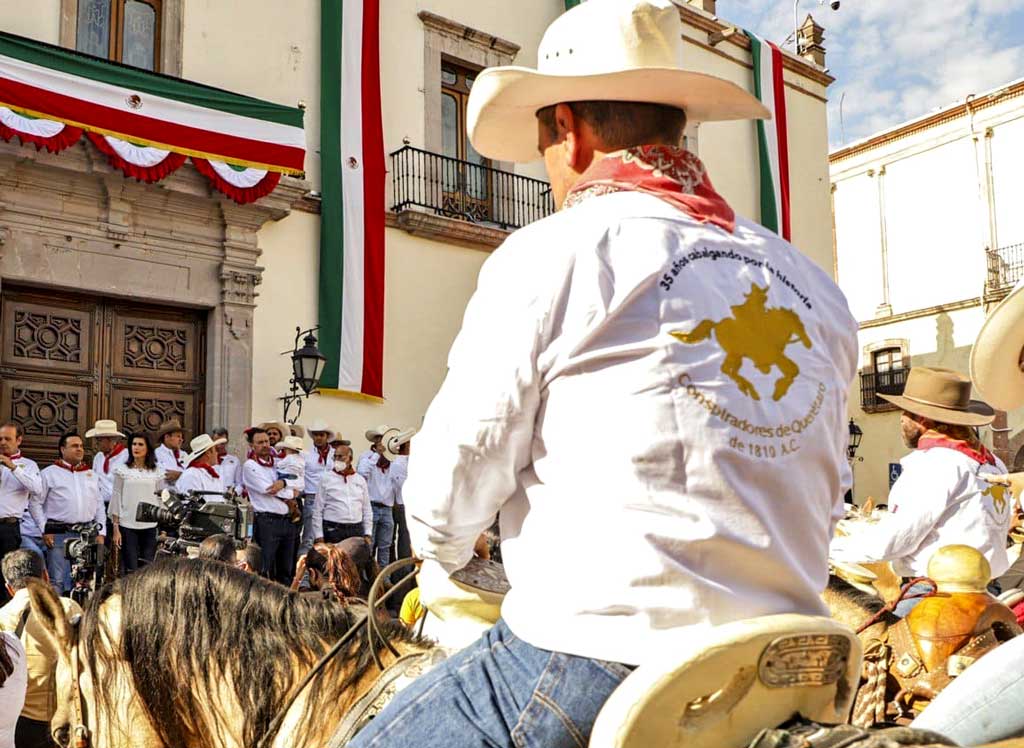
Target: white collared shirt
x: 71, y: 497
x: 257, y: 479
x: 291, y: 464
x: 342, y: 499
x: 611, y: 445
x: 170, y: 462
x: 16, y: 486
x: 315, y: 468
x: 939, y: 499
x: 106, y: 477
x: 399, y: 472
x: 131, y: 488
x: 381, y: 485
x: 194, y: 478
x: 230, y: 469
x: 366, y: 461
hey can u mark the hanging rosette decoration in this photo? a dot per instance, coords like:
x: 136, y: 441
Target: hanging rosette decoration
x: 242, y: 184
x: 42, y: 133
x: 144, y: 163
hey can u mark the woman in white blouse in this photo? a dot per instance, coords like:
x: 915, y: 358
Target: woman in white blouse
x: 13, y: 681
x: 135, y: 483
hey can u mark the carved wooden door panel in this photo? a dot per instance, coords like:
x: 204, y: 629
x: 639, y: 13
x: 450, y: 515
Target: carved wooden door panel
x: 67, y: 360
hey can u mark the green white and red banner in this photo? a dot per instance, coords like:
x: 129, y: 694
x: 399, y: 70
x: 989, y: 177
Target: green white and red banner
x: 147, y: 124
x: 351, y: 306
x: 772, y: 136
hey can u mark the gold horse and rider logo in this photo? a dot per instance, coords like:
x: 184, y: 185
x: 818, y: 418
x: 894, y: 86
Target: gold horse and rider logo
x: 998, y: 494
x: 758, y: 332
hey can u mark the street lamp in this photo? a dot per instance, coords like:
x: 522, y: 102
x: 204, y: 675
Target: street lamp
x: 855, y: 436
x: 307, y: 367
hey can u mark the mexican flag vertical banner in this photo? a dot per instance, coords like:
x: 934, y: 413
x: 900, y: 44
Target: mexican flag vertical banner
x: 772, y: 136
x: 351, y: 309
x: 570, y: 4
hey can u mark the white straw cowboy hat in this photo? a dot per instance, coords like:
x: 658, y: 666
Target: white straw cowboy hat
x: 290, y: 442
x: 200, y: 446
x: 284, y: 428
x: 394, y: 442
x: 103, y: 428
x: 996, y: 358
x: 377, y: 433
x: 942, y: 395
x: 601, y: 50
x: 320, y: 426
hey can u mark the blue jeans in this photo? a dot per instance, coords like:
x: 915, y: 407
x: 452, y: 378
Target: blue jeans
x: 498, y: 692
x: 985, y: 703
x: 32, y: 543
x: 904, y: 607
x: 306, y: 539
x: 383, y: 534
x: 57, y: 566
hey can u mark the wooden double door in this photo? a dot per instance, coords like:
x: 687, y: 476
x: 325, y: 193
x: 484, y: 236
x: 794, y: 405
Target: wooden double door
x: 68, y: 360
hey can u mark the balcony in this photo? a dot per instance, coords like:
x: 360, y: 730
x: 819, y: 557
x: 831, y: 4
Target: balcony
x: 875, y: 383
x: 1005, y: 269
x: 429, y: 182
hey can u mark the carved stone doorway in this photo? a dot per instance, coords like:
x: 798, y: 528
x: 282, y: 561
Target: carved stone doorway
x: 67, y: 360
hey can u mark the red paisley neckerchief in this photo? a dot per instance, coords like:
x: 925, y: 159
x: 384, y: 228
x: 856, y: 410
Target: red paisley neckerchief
x: 931, y: 440
x: 203, y: 466
x: 323, y: 454
x: 259, y: 461
x: 15, y: 456
x: 79, y: 468
x: 118, y: 449
x: 672, y: 174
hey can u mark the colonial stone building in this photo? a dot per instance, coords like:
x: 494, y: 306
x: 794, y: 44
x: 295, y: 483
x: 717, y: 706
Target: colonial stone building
x: 142, y: 301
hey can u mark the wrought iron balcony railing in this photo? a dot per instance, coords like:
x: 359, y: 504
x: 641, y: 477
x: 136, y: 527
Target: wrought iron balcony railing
x: 1005, y: 268
x: 875, y: 383
x: 471, y: 192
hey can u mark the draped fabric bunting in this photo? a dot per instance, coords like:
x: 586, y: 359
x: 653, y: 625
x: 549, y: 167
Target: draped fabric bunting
x: 351, y: 307
x: 772, y: 136
x: 145, y: 123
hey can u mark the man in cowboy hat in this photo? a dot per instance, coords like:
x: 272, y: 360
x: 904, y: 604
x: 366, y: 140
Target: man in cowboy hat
x: 940, y: 497
x: 200, y: 473
x: 369, y: 458
x: 110, y: 453
x: 318, y: 459
x: 168, y: 453
x: 228, y: 466
x: 399, y: 445
x: 644, y: 306
x: 273, y: 531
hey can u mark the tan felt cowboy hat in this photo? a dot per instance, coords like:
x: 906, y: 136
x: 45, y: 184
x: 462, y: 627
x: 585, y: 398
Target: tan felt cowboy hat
x: 284, y: 428
x: 394, y: 443
x: 103, y: 428
x: 169, y: 427
x: 997, y: 358
x: 374, y: 434
x: 601, y: 50
x: 200, y: 446
x: 943, y: 395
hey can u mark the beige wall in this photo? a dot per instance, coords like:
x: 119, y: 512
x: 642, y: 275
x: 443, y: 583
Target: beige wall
x: 36, y: 19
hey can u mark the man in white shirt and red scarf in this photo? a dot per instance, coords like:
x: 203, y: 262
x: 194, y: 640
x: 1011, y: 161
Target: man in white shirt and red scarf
x: 200, y: 472
x: 70, y: 495
x: 228, y: 466
x: 645, y: 307
x: 111, y: 452
x: 168, y: 454
x: 341, y: 507
x: 19, y: 478
x: 273, y: 530
x: 319, y: 459
x: 941, y: 497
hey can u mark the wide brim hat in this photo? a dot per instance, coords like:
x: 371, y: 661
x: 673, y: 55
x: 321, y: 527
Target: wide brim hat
x: 377, y: 433
x: 393, y: 443
x: 169, y: 428
x: 320, y: 425
x: 284, y: 428
x: 290, y: 442
x: 996, y: 358
x: 103, y: 428
x: 942, y: 395
x: 601, y: 50
x: 200, y: 446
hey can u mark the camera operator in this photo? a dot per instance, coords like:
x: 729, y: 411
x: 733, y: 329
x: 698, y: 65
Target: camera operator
x: 19, y: 480
x: 200, y: 473
x: 70, y: 496
x: 274, y: 531
x: 33, y: 730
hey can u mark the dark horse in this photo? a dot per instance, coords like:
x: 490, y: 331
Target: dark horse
x: 198, y: 654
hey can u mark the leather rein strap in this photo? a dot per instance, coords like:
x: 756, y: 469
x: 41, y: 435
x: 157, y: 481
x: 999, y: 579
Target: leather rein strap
x: 80, y: 733
x: 904, y: 595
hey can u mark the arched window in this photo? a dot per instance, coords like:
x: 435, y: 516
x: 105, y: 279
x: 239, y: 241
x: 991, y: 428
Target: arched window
x: 126, y: 31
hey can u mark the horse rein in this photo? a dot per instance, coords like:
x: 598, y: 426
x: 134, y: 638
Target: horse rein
x: 904, y: 595
x: 79, y: 732
x: 373, y: 631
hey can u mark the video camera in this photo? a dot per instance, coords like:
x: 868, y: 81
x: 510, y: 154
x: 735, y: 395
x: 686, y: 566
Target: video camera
x: 193, y: 518
x: 86, y: 556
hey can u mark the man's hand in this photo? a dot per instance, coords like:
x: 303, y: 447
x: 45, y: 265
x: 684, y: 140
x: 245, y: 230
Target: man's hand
x: 172, y: 475
x: 276, y: 486
x: 7, y: 462
x: 117, y: 536
x: 101, y: 540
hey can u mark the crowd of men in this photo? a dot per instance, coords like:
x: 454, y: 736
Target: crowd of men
x: 300, y: 494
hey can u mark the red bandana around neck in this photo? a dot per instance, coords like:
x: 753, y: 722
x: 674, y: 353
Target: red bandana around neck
x: 15, y: 456
x: 345, y: 473
x: 670, y: 173
x: 259, y: 461
x: 206, y: 468
x: 934, y: 439
x: 79, y: 468
x: 323, y: 454
x: 118, y: 449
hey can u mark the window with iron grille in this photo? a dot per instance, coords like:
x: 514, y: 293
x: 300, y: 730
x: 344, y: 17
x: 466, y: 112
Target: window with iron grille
x: 886, y: 376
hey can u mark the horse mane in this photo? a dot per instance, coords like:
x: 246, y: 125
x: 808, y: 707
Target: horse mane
x: 853, y: 606
x: 190, y: 629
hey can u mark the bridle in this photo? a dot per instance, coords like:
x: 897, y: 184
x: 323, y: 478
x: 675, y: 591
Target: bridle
x: 80, y: 737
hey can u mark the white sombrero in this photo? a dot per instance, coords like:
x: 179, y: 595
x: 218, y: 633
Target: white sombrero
x: 200, y: 446
x: 601, y: 50
x: 103, y: 428
x: 394, y: 443
x: 998, y: 351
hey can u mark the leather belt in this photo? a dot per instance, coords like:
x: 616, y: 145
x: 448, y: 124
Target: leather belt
x: 56, y: 528
x: 382, y: 506
x: 271, y: 515
x: 9, y: 520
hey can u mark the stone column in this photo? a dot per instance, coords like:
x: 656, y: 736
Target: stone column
x: 705, y: 5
